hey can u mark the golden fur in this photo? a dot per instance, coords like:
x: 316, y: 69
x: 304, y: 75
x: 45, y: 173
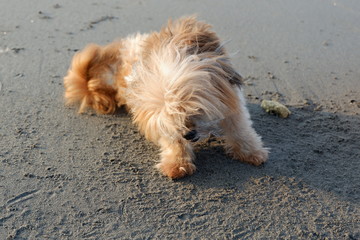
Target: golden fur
x: 173, y: 82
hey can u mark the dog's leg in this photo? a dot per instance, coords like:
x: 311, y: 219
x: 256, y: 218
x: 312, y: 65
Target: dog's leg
x: 176, y: 158
x: 241, y: 140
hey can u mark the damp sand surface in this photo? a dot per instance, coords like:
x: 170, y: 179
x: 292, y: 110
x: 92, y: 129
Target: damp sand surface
x: 70, y: 176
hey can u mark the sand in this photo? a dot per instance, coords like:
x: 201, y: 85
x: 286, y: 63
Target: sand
x: 70, y: 176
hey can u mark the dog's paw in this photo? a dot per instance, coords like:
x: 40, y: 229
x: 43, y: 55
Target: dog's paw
x: 255, y: 158
x: 175, y: 170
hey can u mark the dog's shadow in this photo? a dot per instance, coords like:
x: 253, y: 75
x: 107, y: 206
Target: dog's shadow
x: 318, y: 148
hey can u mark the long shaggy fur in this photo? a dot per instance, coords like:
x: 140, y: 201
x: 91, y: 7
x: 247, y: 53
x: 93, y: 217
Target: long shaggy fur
x: 172, y: 86
x: 173, y: 82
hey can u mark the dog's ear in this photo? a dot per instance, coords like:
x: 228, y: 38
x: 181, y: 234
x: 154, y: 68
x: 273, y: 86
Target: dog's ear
x: 235, y: 77
x: 231, y: 74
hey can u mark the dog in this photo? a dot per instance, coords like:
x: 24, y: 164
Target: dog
x: 179, y: 86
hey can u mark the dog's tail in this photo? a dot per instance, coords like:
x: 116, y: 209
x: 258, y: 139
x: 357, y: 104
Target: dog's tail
x: 88, y: 78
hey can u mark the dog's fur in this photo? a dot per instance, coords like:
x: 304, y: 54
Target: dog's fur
x: 178, y: 84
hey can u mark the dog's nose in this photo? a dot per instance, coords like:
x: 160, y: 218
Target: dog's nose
x: 192, y: 136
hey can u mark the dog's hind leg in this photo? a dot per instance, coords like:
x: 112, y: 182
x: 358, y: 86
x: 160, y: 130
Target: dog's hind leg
x: 241, y: 140
x: 176, y: 158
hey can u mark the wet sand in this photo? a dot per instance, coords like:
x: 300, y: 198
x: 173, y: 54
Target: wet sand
x: 70, y: 176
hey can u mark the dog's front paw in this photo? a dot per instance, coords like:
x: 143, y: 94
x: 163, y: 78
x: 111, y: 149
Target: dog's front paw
x: 175, y: 170
x: 255, y: 158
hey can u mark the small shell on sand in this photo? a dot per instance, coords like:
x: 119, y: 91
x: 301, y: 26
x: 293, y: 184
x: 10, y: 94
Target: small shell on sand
x: 275, y: 108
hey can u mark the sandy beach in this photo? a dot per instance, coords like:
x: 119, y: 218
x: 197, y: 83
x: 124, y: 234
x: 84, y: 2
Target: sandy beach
x: 65, y: 175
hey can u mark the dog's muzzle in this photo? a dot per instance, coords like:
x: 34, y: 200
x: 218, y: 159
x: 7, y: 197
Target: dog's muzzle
x: 191, y: 136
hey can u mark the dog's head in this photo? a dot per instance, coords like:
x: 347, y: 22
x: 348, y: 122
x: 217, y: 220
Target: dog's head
x: 199, y: 128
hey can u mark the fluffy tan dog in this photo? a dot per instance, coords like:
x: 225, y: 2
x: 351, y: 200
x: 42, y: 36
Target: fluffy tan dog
x: 179, y: 86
